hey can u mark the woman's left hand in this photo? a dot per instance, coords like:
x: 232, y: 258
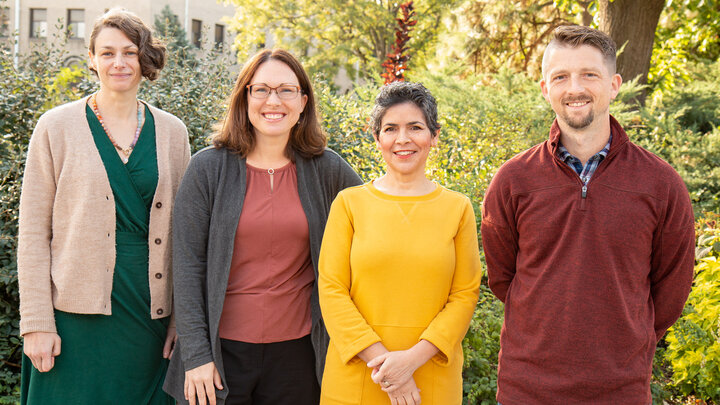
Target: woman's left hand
x: 170, y: 340
x: 393, y: 369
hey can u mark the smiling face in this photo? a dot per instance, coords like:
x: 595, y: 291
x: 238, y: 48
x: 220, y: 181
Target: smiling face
x: 115, y: 59
x: 578, y: 85
x: 273, y: 116
x: 405, y: 140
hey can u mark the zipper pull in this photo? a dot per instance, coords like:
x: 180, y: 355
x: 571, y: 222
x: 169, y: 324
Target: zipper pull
x: 584, y: 191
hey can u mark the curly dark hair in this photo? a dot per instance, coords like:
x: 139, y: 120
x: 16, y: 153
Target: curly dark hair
x: 151, y: 52
x: 404, y: 92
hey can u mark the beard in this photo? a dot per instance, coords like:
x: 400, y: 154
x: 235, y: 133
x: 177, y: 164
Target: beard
x: 577, y: 122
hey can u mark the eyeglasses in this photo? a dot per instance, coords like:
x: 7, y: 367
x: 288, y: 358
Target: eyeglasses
x: 283, y: 91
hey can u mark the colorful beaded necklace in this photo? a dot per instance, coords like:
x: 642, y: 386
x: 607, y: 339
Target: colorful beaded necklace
x: 126, y: 151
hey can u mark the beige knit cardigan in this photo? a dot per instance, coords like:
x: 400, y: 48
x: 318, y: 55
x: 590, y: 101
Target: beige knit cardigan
x: 66, y: 243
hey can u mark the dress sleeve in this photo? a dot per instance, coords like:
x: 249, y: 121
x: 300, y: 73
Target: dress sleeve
x: 449, y: 326
x: 191, y: 223
x: 35, y: 234
x: 348, y: 329
x: 673, y: 258
x: 499, y: 238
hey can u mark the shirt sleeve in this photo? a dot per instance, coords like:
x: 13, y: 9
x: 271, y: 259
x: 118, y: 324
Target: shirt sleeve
x: 348, y: 329
x: 449, y: 326
x: 673, y: 258
x: 499, y: 238
x: 35, y: 234
x: 191, y: 223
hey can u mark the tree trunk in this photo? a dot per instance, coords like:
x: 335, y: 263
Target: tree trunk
x: 632, y: 22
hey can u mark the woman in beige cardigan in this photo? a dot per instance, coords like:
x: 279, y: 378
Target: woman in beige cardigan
x: 94, y: 246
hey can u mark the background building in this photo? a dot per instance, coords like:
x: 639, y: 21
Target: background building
x: 40, y: 20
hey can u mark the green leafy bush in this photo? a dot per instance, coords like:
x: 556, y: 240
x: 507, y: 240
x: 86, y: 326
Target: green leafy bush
x: 694, y: 341
x: 38, y: 83
x: 682, y: 129
x: 481, y: 347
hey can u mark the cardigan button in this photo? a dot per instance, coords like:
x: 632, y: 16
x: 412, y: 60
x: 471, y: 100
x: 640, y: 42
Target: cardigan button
x: 158, y: 276
x: 158, y: 241
x: 159, y: 311
x: 158, y: 205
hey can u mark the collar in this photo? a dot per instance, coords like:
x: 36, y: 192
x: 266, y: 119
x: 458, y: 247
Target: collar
x: 619, y: 137
x: 565, y: 155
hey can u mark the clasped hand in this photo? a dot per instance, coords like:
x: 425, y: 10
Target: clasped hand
x: 393, y: 371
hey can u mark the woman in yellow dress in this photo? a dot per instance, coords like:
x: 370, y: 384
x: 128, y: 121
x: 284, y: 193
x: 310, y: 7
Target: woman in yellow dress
x: 399, y: 270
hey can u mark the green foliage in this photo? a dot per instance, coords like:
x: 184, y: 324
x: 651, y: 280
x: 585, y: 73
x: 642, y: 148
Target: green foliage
x: 489, y: 35
x: 345, y: 120
x: 38, y: 83
x: 688, y: 32
x: 167, y: 25
x: 694, y: 341
x: 682, y: 128
x: 331, y: 34
x: 192, y: 86
x: 660, y: 389
x: 481, y: 347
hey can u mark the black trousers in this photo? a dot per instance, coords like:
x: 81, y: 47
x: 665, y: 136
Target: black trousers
x: 270, y: 373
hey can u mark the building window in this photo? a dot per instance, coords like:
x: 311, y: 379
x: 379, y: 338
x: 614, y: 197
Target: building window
x: 197, y: 33
x: 38, y: 22
x: 76, y: 23
x: 4, y: 21
x: 219, y: 36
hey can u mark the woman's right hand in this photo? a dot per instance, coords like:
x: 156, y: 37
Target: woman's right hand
x: 41, y: 348
x: 201, y: 382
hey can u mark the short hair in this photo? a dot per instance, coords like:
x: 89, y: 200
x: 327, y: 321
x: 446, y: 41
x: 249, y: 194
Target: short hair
x: 576, y: 35
x: 151, y: 51
x: 404, y: 92
x: 236, y: 131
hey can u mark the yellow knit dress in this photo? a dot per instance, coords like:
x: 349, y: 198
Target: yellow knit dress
x: 396, y: 270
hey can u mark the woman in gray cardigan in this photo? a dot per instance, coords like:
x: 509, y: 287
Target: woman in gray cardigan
x: 248, y: 222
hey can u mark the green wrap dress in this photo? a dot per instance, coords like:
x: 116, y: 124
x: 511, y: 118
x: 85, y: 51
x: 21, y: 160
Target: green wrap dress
x: 114, y: 359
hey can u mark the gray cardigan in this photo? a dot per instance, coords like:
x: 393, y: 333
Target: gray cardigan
x: 205, y: 217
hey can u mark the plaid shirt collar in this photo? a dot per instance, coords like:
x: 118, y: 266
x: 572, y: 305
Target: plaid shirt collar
x: 585, y: 172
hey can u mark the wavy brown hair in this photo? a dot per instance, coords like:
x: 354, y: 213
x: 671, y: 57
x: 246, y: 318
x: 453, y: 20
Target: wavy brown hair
x: 237, y: 133
x: 151, y: 52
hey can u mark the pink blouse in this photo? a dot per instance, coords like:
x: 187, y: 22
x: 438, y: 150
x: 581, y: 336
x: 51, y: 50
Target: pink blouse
x: 271, y: 274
